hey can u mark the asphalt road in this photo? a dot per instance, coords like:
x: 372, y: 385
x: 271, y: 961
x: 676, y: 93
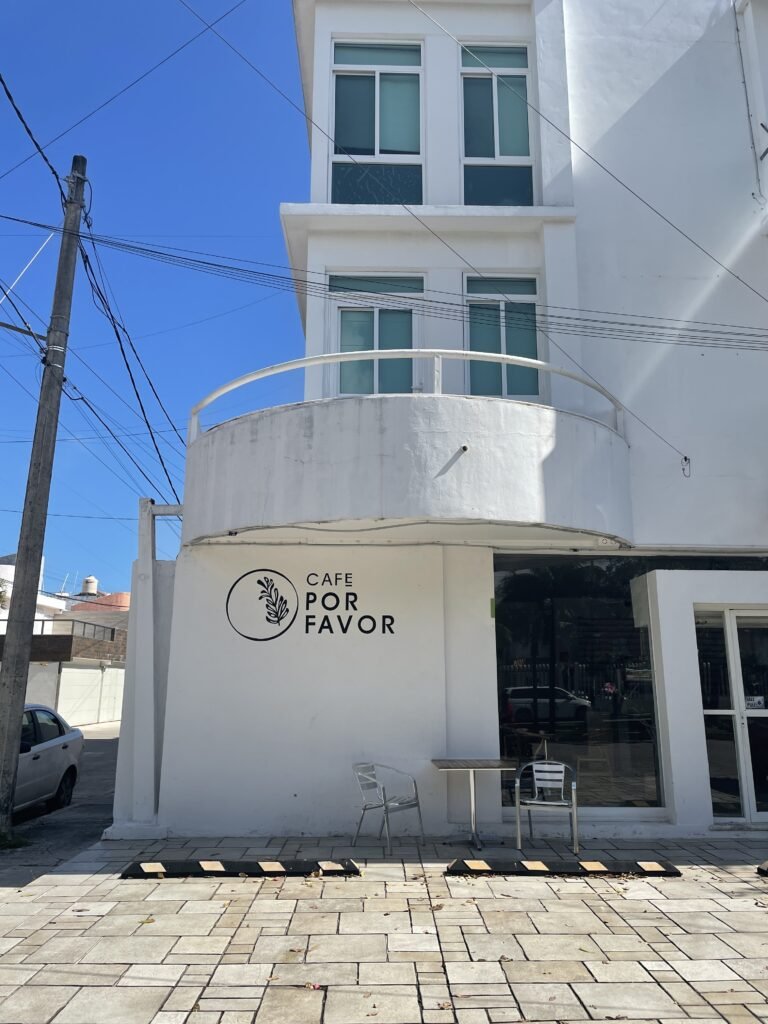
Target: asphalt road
x: 55, y: 836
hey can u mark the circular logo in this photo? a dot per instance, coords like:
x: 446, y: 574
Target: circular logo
x: 262, y: 605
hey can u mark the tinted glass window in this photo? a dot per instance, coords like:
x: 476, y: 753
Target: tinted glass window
x: 355, y: 113
x: 384, y: 184
x: 498, y: 185
x: 28, y: 729
x: 381, y: 53
x: 494, y: 56
x: 48, y: 725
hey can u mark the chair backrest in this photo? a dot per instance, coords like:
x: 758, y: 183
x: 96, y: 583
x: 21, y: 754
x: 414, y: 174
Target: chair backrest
x: 365, y: 774
x: 549, y: 775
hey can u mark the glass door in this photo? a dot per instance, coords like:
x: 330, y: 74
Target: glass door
x: 752, y: 640
x: 733, y: 669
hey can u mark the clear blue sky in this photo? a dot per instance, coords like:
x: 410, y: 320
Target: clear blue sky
x: 199, y: 155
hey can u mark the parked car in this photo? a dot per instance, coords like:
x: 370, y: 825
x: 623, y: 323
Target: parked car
x: 49, y: 759
x: 568, y: 707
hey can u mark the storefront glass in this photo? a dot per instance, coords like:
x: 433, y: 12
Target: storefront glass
x: 575, y: 676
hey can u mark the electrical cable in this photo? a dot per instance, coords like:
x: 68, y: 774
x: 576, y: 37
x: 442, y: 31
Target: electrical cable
x: 590, y: 156
x: 73, y: 515
x: 40, y: 149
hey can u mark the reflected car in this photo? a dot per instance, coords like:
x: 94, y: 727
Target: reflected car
x: 568, y: 707
x: 49, y: 759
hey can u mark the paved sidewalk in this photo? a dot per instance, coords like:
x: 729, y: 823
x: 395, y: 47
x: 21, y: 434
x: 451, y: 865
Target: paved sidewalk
x: 400, y: 945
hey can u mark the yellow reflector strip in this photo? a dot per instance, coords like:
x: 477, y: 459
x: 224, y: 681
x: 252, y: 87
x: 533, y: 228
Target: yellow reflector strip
x: 535, y: 865
x: 330, y: 865
x: 211, y: 865
x: 478, y: 865
x: 152, y: 867
x: 651, y: 866
x: 593, y: 865
x: 271, y: 865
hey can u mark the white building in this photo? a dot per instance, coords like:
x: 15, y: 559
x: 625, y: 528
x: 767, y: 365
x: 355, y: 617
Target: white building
x: 432, y: 556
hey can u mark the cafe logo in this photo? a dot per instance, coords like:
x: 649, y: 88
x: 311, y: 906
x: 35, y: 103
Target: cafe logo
x: 262, y: 605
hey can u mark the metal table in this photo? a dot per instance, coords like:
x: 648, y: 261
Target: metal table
x: 472, y: 765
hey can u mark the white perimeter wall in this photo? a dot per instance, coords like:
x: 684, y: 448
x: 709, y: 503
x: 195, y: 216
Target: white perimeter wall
x: 260, y: 737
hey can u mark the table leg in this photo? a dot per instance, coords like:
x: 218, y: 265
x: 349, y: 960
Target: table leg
x: 473, y: 811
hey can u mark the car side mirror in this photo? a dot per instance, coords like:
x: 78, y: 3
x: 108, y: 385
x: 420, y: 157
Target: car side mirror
x: 25, y: 748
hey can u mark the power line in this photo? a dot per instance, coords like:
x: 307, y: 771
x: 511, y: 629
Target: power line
x: 651, y: 326
x: 590, y: 156
x: 35, y: 143
x: 74, y: 515
x: 40, y: 149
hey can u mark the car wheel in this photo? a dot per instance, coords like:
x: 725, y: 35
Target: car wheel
x: 63, y: 797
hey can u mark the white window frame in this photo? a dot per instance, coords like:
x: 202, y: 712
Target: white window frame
x: 377, y: 70
x: 484, y: 299
x: 341, y: 302
x: 498, y: 160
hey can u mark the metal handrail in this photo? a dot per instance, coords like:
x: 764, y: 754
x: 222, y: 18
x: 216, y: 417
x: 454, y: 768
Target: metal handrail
x: 436, y: 355
x: 68, y: 627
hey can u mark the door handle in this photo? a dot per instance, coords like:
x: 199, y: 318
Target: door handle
x: 64, y: 746
x: 35, y: 757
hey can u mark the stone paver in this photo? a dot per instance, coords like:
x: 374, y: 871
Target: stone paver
x: 402, y: 944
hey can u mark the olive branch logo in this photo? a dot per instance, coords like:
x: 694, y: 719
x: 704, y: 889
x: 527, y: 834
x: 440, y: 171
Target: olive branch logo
x: 276, y: 604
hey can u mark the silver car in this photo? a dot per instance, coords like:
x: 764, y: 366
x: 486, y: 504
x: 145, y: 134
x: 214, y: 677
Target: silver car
x: 49, y: 759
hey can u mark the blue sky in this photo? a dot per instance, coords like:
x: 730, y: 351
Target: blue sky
x: 198, y: 155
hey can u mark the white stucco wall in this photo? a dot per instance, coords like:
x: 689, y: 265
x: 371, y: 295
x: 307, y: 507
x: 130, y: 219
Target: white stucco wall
x: 392, y: 457
x: 261, y: 736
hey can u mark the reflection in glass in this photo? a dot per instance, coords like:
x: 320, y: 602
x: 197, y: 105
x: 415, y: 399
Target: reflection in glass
x: 380, y: 184
x: 758, y: 749
x: 355, y: 114
x: 356, y: 378
x: 399, y: 128
x: 723, y: 766
x: 713, y: 662
x: 753, y: 652
x: 573, y: 665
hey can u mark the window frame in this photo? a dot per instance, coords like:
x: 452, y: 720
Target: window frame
x: 37, y: 712
x: 484, y: 299
x: 340, y: 302
x: 366, y: 70
x: 494, y: 74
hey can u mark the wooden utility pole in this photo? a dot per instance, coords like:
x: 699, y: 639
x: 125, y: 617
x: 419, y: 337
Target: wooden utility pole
x: 21, y: 615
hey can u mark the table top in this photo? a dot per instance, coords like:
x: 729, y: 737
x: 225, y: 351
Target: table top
x: 482, y: 764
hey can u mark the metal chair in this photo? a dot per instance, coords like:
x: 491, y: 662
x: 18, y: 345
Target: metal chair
x: 548, y: 794
x: 375, y: 797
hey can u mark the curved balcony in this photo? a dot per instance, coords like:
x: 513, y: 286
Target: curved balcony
x: 427, y: 466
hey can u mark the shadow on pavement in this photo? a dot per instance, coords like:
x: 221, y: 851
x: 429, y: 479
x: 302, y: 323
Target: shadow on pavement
x: 55, y: 836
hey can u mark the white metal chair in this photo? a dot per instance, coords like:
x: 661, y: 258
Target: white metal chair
x: 375, y: 798
x: 548, y: 793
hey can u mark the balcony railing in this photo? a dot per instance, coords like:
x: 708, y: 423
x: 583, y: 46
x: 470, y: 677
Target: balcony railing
x: 67, y: 627
x: 435, y: 356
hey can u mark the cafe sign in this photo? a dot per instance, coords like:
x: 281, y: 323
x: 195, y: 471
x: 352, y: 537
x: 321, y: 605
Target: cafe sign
x: 264, y: 604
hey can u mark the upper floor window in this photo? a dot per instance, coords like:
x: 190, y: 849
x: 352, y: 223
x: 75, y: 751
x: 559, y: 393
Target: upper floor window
x: 377, y: 125
x: 498, y: 167
x: 502, y: 318
x: 384, y: 323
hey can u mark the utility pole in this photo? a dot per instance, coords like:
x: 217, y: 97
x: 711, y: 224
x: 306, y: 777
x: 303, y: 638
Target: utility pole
x: 21, y: 615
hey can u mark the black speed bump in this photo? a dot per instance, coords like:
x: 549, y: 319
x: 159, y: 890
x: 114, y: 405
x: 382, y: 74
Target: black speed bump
x: 570, y: 868
x: 241, y: 869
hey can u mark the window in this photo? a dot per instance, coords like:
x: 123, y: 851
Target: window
x: 498, y: 168
x: 49, y: 726
x: 380, y: 325
x: 502, y: 318
x: 28, y: 734
x: 566, y: 632
x: 377, y: 127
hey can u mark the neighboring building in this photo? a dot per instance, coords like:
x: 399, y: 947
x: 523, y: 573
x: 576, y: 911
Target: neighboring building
x: 432, y: 556
x: 78, y: 650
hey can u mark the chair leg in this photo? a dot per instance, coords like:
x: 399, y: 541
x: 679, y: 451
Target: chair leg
x: 518, y: 824
x: 575, y: 826
x: 530, y: 824
x: 359, y: 825
x: 381, y: 826
x: 386, y: 830
x: 421, y: 824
